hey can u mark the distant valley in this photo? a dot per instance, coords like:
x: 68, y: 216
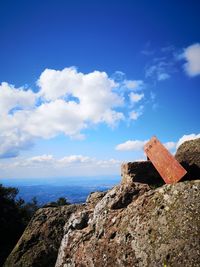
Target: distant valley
x: 75, y: 189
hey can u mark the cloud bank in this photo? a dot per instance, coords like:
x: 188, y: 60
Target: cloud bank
x: 67, y: 102
x: 48, y: 165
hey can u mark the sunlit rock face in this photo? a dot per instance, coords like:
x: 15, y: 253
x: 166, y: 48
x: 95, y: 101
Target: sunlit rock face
x: 140, y: 223
x: 188, y: 154
x: 156, y: 228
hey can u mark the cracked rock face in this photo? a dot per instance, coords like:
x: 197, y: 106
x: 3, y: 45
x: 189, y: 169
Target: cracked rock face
x: 130, y: 225
x: 156, y: 228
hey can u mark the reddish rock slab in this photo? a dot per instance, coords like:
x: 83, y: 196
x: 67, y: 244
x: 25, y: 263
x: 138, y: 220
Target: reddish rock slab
x: 168, y: 167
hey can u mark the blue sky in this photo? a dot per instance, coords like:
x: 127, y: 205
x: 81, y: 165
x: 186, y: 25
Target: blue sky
x: 84, y: 84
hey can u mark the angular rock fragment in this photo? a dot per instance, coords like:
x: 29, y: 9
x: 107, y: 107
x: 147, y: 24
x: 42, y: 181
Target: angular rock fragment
x: 141, y: 172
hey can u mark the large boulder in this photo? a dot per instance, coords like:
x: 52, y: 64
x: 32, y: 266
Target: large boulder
x: 130, y: 225
x: 39, y: 244
x: 158, y: 227
x: 188, y: 154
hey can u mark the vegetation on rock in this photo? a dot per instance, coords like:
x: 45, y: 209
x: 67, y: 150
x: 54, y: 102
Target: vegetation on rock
x: 14, y: 217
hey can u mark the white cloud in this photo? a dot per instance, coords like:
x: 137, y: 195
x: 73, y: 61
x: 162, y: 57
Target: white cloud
x: 93, y: 91
x: 159, y: 71
x: 131, y: 145
x: 136, y: 145
x: 41, y: 159
x: 49, y: 166
x: 18, y: 98
x: 187, y: 138
x: 192, y: 56
x: 134, y: 98
x: 68, y: 102
x: 134, y: 115
x: 54, y: 118
x: 134, y: 84
x: 163, y: 76
x: 75, y: 159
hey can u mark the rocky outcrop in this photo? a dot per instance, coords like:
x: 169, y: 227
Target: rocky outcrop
x: 156, y: 228
x: 133, y: 224
x: 95, y: 197
x: 41, y: 240
x: 188, y: 154
x: 141, y: 172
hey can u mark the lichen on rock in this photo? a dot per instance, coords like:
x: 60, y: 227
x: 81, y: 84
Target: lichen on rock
x: 158, y: 227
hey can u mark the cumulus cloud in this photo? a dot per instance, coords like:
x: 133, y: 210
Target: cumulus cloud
x: 93, y: 92
x: 13, y: 103
x: 192, y: 56
x: 54, y: 118
x: 131, y: 145
x: 67, y: 102
x: 18, y: 98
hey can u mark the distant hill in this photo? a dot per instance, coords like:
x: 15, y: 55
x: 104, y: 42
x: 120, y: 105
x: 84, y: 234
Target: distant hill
x: 75, y: 189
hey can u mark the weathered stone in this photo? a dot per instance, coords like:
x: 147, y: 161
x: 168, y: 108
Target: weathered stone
x: 130, y: 225
x: 158, y: 228
x: 141, y: 172
x: 39, y: 244
x: 188, y: 154
x: 95, y: 197
x: 116, y: 199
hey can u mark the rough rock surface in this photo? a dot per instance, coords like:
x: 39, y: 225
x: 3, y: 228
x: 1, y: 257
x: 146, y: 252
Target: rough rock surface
x: 156, y: 228
x: 141, y: 172
x: 188, y: 154
x: 40, y: 242
x: 95, y: 197
x: 129, y: 225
